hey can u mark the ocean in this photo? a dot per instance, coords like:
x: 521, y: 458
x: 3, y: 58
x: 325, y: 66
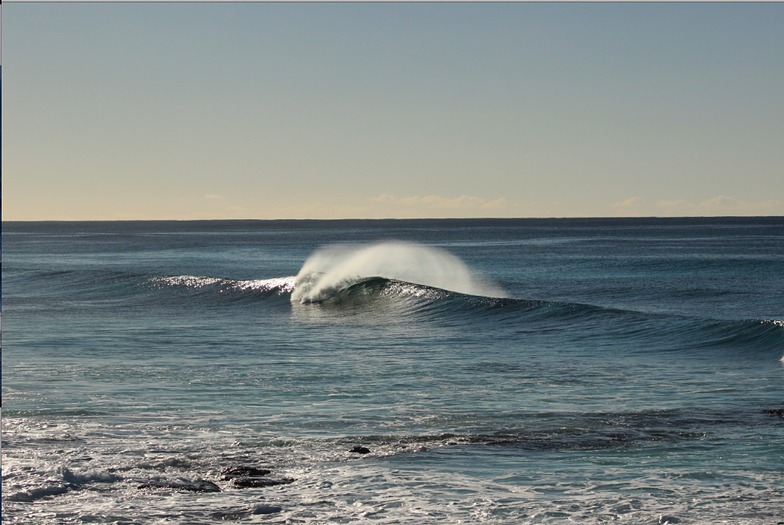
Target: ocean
x: 394, y: 371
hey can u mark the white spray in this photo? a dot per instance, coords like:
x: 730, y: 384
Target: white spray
x: 334, y: 267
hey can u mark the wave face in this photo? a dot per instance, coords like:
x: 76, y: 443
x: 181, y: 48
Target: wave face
x: 334, y: 268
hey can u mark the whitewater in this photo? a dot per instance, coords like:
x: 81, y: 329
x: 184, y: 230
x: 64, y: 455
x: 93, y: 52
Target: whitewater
x: 334, y: 268
x: 423, y: 371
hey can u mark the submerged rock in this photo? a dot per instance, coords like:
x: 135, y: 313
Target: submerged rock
x: 42, y: 492
x: 200, y: 485
x: 360, y: 450
x: 267, y: 509
x: 229, y: 515
x: 251, y: 477
x: 230, y: 473
x: 260, y: 482
x: 239, y: 514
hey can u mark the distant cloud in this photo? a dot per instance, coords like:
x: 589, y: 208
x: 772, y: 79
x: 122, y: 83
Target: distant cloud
x: 213, y: 197
x: 672, y: 207
x: 438, y: 202
x: 629, y: 203
x: 630, y: 206
x: 721, y: 205
x: 384, y: 198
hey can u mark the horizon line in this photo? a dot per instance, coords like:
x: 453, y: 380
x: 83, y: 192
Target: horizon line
x: 607, y: 217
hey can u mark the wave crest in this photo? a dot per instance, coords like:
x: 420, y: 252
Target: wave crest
x: 275, y: 286
x: 334, y: 268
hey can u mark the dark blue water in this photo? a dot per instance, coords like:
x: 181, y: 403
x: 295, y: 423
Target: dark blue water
x: 496, y: 371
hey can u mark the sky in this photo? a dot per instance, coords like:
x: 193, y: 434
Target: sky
x: 375, y: 110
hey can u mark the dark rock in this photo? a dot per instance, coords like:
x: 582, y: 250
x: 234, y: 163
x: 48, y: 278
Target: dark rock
x: 360, y: 450
x: 267, y: 509
x: 665, y: 520
x: 260, y: 482
x: 200, y: 485
x: 250, y: 477
x: 242, y: 472
x: 36, y: 494
x: 777, y: 412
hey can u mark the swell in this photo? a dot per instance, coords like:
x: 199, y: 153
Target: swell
x: 590, y: 324
x: 85, y: 289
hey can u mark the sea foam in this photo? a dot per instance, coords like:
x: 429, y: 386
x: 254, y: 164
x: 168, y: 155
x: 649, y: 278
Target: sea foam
x: 336, y: 267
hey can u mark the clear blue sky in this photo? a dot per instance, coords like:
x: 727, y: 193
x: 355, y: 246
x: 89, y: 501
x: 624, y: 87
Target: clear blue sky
x: 198, y: 111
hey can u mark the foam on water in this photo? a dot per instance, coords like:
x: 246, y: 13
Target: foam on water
x: 416, y: 479
x: 336, y: 267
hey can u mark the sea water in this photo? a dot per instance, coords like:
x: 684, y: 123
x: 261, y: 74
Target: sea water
x: 394, y: 371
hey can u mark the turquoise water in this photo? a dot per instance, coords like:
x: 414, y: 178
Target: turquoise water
x: 493, y: 371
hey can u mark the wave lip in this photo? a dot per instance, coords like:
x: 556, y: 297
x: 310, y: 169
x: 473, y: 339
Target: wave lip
x: 332, y: 269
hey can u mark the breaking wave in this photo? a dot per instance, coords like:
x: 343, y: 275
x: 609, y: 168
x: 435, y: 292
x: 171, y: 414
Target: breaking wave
x: 401, y: 280
x: 332, y: 269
